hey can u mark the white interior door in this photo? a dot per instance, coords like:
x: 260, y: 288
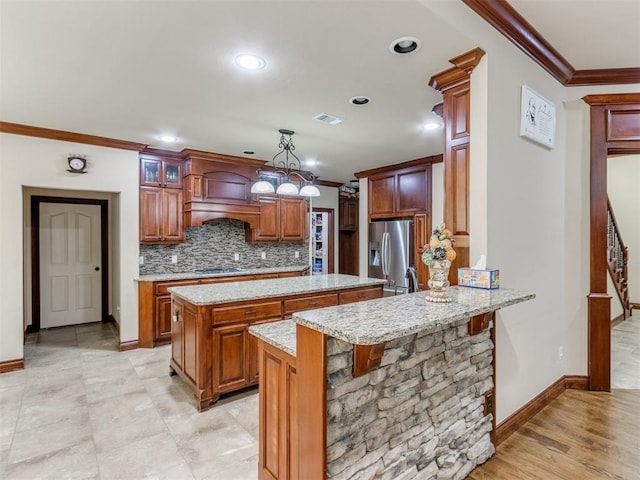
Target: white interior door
x: 70, y: 277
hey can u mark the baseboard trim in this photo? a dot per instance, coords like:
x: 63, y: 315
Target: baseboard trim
x: 130, y: 345
x: 619, y: 319
x: 576, y: 382
x: 12, y: 365
x: 529, y: 410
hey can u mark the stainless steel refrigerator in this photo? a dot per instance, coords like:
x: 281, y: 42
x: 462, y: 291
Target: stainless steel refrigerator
x: 391, y: 253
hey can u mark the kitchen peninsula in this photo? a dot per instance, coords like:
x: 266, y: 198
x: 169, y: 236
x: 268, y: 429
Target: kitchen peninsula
x: 211, y: 349
x: 391, y: 388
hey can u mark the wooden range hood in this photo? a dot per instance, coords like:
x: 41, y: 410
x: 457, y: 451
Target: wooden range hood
x: 219, y: 186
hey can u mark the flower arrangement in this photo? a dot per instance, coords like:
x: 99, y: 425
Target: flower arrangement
x: 440, y: 247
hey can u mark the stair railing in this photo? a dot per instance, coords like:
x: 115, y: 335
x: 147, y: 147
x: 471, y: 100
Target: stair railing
x: 617, y: 261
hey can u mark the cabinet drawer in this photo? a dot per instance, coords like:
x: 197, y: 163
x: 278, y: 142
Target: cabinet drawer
x: 162, y: 287
x: 308, y: 303
x: 360, y: 295
x: 235, y: 278
x: 247, y: 313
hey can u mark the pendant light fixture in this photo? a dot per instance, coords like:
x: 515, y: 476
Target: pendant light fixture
x: 286, y: 166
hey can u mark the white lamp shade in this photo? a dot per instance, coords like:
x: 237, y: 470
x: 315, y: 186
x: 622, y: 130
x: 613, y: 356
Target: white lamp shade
x: 262, y: 187
x: 310, y: 191
x: 287, y: 188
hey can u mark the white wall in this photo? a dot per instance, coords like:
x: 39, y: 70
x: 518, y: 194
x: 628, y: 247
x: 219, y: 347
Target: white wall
x: 623, y: 188
x: 329, y: 199
x: 41, y: 163
x: 536, y: 207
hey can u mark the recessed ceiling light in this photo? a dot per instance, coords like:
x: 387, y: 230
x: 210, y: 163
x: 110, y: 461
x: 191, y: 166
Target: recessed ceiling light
x: 359, y: 100
x: 249, y: 152
x: 310, y: 162
x: 250, y: 62
x: 168, y: 138
x: 404, y: 45
x: 432, y: 125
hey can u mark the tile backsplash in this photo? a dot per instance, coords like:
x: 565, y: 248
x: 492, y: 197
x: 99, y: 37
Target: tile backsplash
x: 214, y: 245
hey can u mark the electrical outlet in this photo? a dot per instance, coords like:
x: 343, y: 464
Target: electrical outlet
x: 141, y: 260
x: 297, y: 254
x: 236, y: 256
x: 263, y: 255
x: 560, y: 353
x: 174, y: 258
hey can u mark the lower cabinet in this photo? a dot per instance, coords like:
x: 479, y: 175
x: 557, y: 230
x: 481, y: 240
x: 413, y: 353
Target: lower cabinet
x: 230, y: 357
x: 154, y: 304
x: 278, y: 454
x: 213, y: 351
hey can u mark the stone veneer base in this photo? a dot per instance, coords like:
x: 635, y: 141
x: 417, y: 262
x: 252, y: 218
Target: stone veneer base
x: 419, y: 416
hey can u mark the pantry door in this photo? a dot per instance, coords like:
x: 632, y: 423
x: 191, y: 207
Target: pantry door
x: 70, y: 264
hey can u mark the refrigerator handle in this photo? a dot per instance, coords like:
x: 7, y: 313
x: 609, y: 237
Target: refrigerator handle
x: 385, y: 253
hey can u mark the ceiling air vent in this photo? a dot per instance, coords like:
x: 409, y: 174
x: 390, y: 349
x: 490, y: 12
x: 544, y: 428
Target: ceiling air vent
x: 330, y: 119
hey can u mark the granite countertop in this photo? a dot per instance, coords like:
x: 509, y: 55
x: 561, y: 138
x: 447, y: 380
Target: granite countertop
x: 279, y: 334
x: 384, y: 319
x: 161, y: 277
x: 273, y: 287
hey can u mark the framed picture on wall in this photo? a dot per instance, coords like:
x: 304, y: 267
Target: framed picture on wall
x: 537, y: 118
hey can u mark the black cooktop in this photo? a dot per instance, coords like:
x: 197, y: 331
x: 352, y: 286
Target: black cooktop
x: 211, y: 271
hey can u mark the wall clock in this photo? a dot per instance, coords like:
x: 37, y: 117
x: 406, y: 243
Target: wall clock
x: 77, y: 164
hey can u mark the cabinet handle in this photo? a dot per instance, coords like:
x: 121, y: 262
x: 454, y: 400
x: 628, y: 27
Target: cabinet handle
x: 361, y: 295
x: 250, y: 312
x: 176, y: 317
x: 312, y: 304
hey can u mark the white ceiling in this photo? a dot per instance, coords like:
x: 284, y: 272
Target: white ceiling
x: 590, y: 34
x: 134, y: 70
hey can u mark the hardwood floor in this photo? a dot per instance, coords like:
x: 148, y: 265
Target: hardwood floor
x: 579, y: 436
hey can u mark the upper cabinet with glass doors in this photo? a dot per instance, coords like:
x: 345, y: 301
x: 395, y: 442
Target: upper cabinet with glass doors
x: 158, y: 172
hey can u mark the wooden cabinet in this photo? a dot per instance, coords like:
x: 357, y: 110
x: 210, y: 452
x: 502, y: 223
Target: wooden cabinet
x: 348, y: 213
x: 400, y: 192
x: 230, y: 357
x: 161, y: 198
x: 161, y: 215
x: 158, y: 171
x: 222, y: 345
x: 359, y: 295
x: 176, y: 338
x: 421, y: 235
x: 282, y: 219
x: 278, y: 411
x: 300, y: 304
x: 154, y: 304
x: 348, y: 235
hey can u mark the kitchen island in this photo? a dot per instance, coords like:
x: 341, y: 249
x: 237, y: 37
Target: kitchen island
x: 211, y: 349
x: 154, y: 299
x: 390, y: 388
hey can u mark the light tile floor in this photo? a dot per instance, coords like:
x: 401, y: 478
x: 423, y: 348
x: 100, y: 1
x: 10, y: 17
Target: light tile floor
x: 625, y: 353
x: 82, y: 410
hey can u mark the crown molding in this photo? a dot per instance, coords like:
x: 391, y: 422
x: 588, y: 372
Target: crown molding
x: 418, y: 162
x: 605, y: 76
x: 64, y: 136
x: 506, y: 20
x: 613, y: 98
x: 459, y: 73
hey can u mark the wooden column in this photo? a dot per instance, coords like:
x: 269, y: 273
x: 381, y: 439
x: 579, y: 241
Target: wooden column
x: 615, y: 129
x: 311, y: 365
x: 455, y: 85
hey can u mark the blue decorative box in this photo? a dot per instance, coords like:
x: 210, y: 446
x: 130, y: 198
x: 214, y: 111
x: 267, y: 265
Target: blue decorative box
x: 488, y: 279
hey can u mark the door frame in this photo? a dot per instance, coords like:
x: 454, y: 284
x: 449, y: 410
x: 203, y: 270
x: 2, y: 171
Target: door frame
x: 36, y: 200
x: 614, y: 130
x: 330, y: 233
